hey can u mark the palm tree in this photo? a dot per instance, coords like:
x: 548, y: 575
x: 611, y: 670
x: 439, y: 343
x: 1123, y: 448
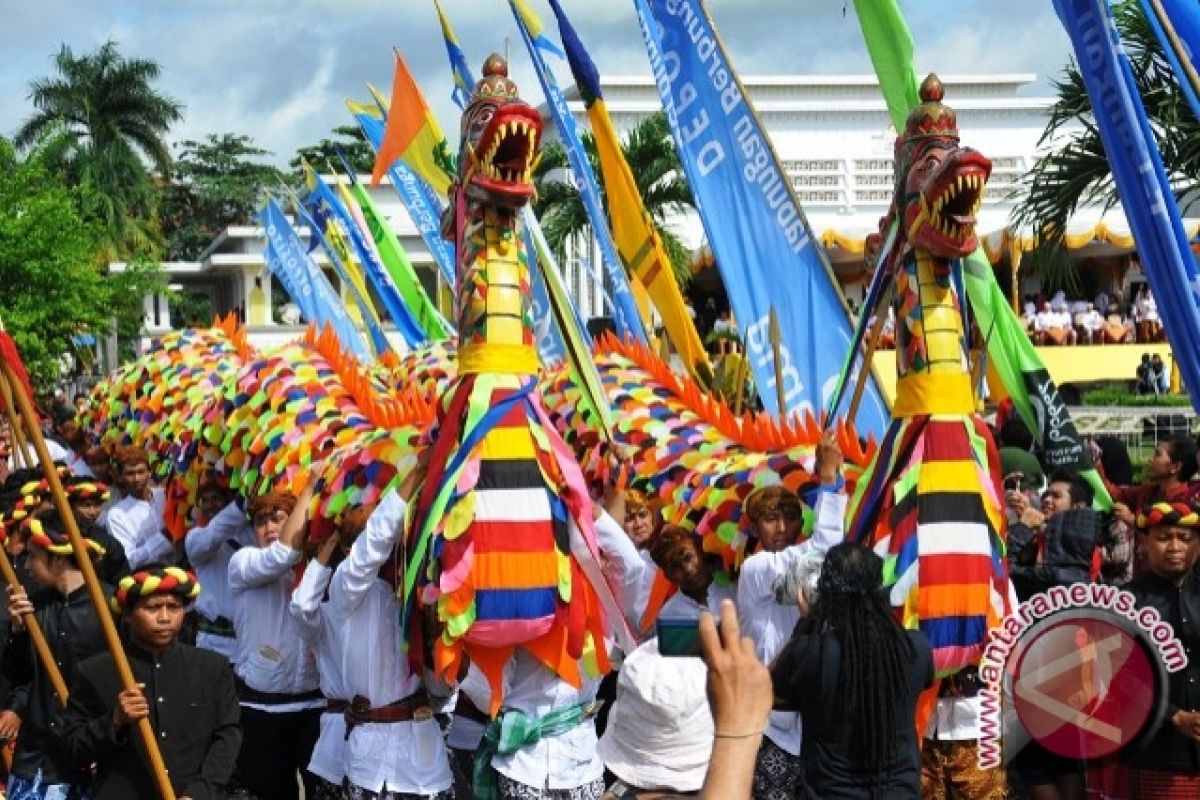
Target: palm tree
x: 1076, y: 172
x: 655, y: 165
x: 98, y: 122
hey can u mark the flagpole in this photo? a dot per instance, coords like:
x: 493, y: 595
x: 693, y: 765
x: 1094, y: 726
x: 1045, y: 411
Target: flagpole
x: 83, y: 559
x: 868, y: 362
x: 776, y: 347
x: 1180, y: 49
x: 21, y: 457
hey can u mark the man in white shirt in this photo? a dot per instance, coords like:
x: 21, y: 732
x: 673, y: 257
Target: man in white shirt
x: 209, y: 547
x: 561, y: 762
x: 1091, y: 323
x: 379, y: 736
x: 276, y: 671
x: 768, y: 617
x: 136, y: 520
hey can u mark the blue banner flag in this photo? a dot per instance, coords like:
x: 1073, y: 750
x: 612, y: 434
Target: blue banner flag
x: 1176, y: 23
x: 288, y: 260
x: 379, y: 340
x: 422, y: 204
x: 1142, y: 184
x: 322, y: 198
x: 763, y: 245
x: 463, y: 83
x: 625, y: 313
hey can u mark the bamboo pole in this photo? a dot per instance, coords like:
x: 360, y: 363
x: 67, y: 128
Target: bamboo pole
x: 861, y: 384
x: 1181, y: 51
x: 99, y: 601
x: 40, y: 646
x: 21, y: 457
x: 776, y: 347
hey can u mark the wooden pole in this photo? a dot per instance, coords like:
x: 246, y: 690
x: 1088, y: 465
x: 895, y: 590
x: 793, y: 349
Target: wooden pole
x: 35, y: 634
x: 21, y: 457
x: 158, y: 769
x: 872, y: 343
x: 1180, y: 50
x: 776, y: 346
x: 739, y: 377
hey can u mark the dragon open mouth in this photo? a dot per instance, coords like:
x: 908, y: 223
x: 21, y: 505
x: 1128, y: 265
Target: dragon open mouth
x: 505, y: 155
x: 949, y: 203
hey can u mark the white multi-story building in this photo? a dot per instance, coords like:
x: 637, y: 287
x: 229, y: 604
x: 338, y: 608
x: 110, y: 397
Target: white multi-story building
x: 835, y: 139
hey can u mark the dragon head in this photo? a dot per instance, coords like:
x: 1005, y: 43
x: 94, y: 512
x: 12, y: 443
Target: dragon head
x: 939, y: 183
x: 500, y: 138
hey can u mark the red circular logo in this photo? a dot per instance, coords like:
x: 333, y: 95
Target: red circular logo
x: 1083, y: 686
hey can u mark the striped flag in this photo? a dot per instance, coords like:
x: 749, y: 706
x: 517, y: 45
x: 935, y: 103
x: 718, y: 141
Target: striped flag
x: 413, y: 135
x: 637, y: 238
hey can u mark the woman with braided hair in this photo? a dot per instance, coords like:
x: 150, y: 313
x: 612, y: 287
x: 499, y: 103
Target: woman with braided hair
x: 854, y: 675
x: 187, y: 693
x: 1168, y: 766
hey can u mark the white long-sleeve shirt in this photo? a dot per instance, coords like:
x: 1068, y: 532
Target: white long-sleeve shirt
x: 138, y: 525
x: 569, y: 759
x: 358, y: 643
x: 209, y: 549
x: 271, y: 655
x: 770, y: 623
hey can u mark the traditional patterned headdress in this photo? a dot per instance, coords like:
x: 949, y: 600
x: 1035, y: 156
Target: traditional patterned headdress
x: 156, y: 580
x: 81, y: 491
x: 46, y: 532
x: 931, y: 118
x: 495, y: 85
x: 1174, y: 515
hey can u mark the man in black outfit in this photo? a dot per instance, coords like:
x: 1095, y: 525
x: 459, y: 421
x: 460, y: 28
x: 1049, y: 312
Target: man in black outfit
x: 65, y: 613
x: 1169, y: 765
x: 187, y: 693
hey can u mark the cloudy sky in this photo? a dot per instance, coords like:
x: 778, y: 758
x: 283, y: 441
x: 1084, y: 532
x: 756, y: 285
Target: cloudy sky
x: 277, y: 70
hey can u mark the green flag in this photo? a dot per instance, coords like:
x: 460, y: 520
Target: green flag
x: 395, y: 260
x: 1012, y: 355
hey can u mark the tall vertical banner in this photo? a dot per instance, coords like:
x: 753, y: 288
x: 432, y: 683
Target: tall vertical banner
x: 288, y: 260
x: 1011, y: 355
x: 625, y: 313
x: 633, y: 228
x: 1146, y: 196
x: 1176, y: 23
x: 422, y: 204
x: 765, y: 250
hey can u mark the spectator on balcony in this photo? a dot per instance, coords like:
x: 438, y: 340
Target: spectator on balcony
x: 1145, y: 315
x: 1089, y: 324
x: 1103, y: 303
x: 1117, y: 329
x: 1053, y: 327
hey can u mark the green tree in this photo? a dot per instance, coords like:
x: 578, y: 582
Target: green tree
x: 655, y: 164
x: 1076, y: 172
x: 52, y: 287
x: 98, y: 121
x: 324, y: 154
x: 216, y: 183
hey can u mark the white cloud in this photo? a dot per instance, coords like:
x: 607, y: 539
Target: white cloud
x: 278, y: 70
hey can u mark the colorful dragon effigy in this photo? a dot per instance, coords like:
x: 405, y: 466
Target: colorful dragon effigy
x: 929, y: 500
x: 500, y: 541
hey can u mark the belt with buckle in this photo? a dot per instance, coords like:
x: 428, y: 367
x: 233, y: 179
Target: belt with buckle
x: 414, y: 708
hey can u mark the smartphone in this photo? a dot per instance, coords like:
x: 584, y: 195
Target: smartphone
x: 678, y: 637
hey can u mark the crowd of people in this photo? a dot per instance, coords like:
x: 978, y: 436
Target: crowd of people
x: 266, y: 664
x: 1059, y: 321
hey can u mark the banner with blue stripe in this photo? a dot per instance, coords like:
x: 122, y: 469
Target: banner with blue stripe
x: 625, y: 312
x: 767, y: 254
x: 323, y: 197
x: 422, y: 204
x: 1149, y: 204
x: 288, y: 259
